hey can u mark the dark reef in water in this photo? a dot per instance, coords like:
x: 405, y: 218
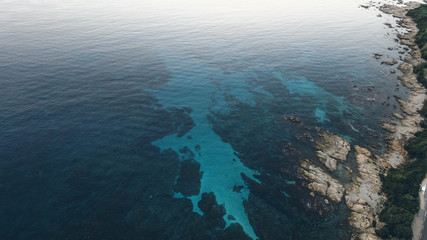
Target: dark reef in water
x: 277, y: 206
x: 188, y: 182
x: 127, y: 191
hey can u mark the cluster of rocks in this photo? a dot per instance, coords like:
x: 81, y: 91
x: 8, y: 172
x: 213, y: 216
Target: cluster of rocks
x: 390, y: 63
x: 321, y: 182
x: 331, y: 149
x: 410, y: 121
x: 291, y: 118
x: 362, y: 196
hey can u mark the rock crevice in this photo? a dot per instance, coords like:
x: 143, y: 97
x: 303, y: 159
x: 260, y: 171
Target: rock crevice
x: 331, y: 149
x: 321, y: 182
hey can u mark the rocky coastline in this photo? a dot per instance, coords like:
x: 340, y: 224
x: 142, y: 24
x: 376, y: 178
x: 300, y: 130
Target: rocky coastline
x: 363, y: 196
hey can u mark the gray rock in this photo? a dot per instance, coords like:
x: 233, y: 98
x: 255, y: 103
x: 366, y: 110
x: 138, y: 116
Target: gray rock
x: 331, y: 149
x: 329, y: 162
x: 390, y: 63
x: 292, y: 118
x: 321, y: 182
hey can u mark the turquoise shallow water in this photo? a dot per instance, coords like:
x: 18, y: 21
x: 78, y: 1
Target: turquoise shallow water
x: 164, y: 119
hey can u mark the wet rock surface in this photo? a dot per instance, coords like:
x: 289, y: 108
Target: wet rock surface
x: 321, y: 182
x: 364, y: 198
x: 390, y: 63
x: 331, y: 149
x: 293, y: 119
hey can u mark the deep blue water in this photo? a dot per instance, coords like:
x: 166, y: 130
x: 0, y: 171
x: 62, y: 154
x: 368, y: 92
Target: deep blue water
x: 164, y: 119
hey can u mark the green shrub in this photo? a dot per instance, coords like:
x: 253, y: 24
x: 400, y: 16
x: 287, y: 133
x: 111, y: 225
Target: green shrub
x: 420, y: 17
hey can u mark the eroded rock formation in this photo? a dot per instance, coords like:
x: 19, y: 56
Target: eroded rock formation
x: 321, y: 182
x: 364, y: 197
x: 331, y: 149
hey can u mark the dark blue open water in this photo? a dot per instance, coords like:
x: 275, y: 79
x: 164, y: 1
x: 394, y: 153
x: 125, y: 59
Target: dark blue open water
x: 163, y: 119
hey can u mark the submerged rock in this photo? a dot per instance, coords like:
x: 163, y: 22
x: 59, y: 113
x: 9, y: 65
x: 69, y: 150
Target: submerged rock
x: 390, y: 63
x: 377, y: 55
x: 292, y: 118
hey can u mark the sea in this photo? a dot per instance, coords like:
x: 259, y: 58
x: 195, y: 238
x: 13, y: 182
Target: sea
x: 166, y: 119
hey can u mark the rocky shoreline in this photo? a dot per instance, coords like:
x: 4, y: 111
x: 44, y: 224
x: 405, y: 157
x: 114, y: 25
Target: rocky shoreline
x: 363, y: 195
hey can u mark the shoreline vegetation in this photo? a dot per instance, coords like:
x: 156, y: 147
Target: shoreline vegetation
x: 402, y: 184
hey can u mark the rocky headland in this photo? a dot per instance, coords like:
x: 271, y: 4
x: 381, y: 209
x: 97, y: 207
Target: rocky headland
x: 363, y: 195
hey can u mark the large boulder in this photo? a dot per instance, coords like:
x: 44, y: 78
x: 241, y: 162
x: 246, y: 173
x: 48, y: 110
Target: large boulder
x: 321, y: 182
x: 331, y: 149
